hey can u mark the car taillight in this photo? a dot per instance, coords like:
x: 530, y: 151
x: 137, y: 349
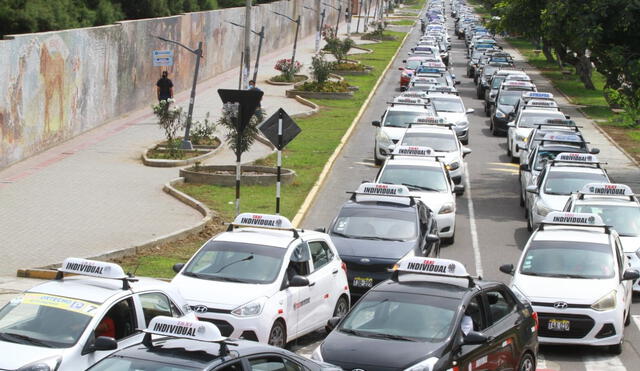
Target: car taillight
x: 344, y: 267
x: 535, y: 318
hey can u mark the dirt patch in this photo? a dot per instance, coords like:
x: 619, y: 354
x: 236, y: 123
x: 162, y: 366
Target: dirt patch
x: 622, y: 136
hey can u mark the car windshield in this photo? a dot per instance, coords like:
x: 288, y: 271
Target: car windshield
x: 624, y: 219
x: 568, y: 259
x: 438, y: 142
x: 402, y: 119
x: 508, y: 99
x: 136, y: 364
x: 43, y: 320
x: 496, y: 82
x: 543, y: 157
x: 566, y: 182
x: 412, y: 64
x: 382, y: 224
x: 236, y: 262
x: 401, y: 316
x: 531, y: 119
x: 447, y: 105
x: 416, y: 178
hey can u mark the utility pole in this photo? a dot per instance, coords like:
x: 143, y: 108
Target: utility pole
x: 247, y: 44
x: 255, y: 68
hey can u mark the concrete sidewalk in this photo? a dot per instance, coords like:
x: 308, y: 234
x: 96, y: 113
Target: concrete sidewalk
x: 92, y: 194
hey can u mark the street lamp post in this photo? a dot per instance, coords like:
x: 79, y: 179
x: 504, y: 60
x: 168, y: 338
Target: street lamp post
x: 359, y: 16
x: 322, y: 15
x: 186, y: 142
x: 261, y: 36
x: 247, y: 43
x: 339, y: 9
x: 295, y: 40
x: 317, y: 48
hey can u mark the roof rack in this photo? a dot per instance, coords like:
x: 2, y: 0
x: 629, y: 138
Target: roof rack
x: 563, y: 218
x: 263, y: 221
x: 425, y: 105
x: 415, y: 151
x: 95, y: 268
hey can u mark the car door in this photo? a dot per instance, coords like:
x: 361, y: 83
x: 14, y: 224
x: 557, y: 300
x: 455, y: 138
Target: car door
x: 503, y: 319
x: 322, y: 281
x: 474, y: 357
x: 154, y: 304
x: 123, y: 321
x: 271, y: 362
x: 299, y: 303
x: 623, y: 264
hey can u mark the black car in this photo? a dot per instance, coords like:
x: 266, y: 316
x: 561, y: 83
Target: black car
x: 431, y: 315
x: 372, y: 232
x: 503, y: 110
x: 189, y: 345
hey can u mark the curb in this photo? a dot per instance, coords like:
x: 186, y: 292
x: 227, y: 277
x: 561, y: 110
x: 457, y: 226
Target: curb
x: 314, y: 108
x: 177, y: 163
x: 45, y: 272
x: 278, y: 83
x: 313, y: 193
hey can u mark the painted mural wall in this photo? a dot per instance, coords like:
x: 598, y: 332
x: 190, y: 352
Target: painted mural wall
x: 56, y: 85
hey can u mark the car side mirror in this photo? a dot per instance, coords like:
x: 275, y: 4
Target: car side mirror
x: 432, y: 238
x: 524, y: 167
x: 458, y: 189
x: 567, y: 117
x: 457, y: 82
x: 630, y: 275
x: 507, y: 268
x: 404, y: 61
x: 511, y: 124
x: 177, y: 267
x: 375, y: 123
x: 333, y: 323
x: 594, y: 151
x: 465, y: 151
x: 532, y: 189
x: 401, y: 68
x: 470, y: 110
x: 321, y: 230
x: 298, y: 281
x: 105, y: 343
x: 475, y: 338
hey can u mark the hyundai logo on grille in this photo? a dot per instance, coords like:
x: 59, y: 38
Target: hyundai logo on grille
x: 364, y: 261
x: 200, y: 309
x: 560, y: 305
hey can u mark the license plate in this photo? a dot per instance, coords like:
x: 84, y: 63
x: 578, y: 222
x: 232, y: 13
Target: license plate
x: 363, y: 282
x: 558, y: 325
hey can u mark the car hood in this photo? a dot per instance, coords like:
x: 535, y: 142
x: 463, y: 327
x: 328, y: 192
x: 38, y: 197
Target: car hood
x: 630, y: 243
x: 219, y: 294
x: 523, y: 132
x: 504, y: 108
x: 372, y: 248
x: 573, y: 291
x: 22, y: 354
x: 393, y: 132
x: 555, y: 202
x: 434, y: 200
x: 346, y: 349
x: 452, y: 117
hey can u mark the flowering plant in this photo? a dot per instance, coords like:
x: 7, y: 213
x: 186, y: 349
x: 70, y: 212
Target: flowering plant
x: 170, y: 119
x: 287, y: 68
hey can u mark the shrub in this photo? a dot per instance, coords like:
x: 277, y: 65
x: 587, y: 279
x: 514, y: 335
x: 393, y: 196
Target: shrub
x: 335, y: 66
x: 287, y: 68
x: 326, y: 87
x: 170, y: 120
x: 339, y: 48
x: 202, y: 132
x: 630, y: 117
x: 320, y: 69
x: 238, y: 142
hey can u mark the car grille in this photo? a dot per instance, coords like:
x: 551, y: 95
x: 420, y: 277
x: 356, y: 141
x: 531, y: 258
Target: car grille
x: 225, y: 327
x: 580, y: 325
x: 374, y: 267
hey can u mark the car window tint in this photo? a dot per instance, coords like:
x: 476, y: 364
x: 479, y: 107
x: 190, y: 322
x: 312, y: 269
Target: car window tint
x: 274, y: 363
x: 235, y: 366
x: 119, y: 322
x: 155, y: 304
x: 474, y: 310
x: 320, y: 254
x: 500, y: 305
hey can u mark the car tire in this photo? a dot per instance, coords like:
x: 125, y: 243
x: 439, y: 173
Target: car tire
x: 376, y: 160
x: 627, y: 320
x: 527, y: 363
x: 616, y: 349
x: 479, y: 93
x: 487, y: 111
x: 509, y: 150
x: 278, y: 334
x: 530, y: 222
x: 342, y: 307
x: 465, y: 142
x: 521, y: 199
x: 450, y: 240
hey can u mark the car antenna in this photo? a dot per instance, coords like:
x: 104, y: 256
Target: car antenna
x: 135, y: 270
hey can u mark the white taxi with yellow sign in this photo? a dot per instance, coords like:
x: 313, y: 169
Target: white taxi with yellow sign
x: 73, y: 322
x: 578, y: 280
x: 264, y: 280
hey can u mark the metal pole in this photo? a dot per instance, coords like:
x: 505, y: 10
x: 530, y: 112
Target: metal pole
x: 247, y: 44
x: 338, y: 20
x: 319, y: 33
x: 241, y: 64
x: 366, y: 18
x: 279, y: 163
x: 255, y: 69
x: 186, y: 143
x: 347, y: 15
x: 318, y: 25
x: 238, y: 172
x: 359, y: 16
x: 295, y: 44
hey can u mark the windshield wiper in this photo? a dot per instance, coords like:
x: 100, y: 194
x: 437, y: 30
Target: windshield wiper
x: 229, y: 279
x: 392, y: 337
x: 342, y: 235
x: 377, y: 238
x: 234, y: 262
x: 423, y: 188
x: 34, y: 341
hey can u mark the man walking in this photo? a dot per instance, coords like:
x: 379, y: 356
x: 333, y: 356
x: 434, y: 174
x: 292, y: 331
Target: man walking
x: 164, y: 87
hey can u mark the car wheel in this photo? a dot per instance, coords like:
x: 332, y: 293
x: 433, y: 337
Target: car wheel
x: 530, y: 223
x: 465, y: 141
x: 509, y: 149
x: 278, y: 334
x: 627, y: 320
x: 342, y: 307
x: 479, y: 93
x: 616, y: 349
x: 487, y: 111
x: 527, y: 363
x: 521, y: 198
x: 376, y: 160
x: 451, y: 240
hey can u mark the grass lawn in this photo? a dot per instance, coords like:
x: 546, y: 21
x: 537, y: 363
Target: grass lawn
x: 415, y: 4
x: 404, y: 22
x: 306, y: 154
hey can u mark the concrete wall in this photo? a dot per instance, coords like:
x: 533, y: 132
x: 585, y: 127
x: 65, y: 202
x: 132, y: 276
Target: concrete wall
x: 56, y: 85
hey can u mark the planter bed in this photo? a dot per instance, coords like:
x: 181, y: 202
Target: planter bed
x: 225, y: 175
x: 199, y: 153
x: 297, y: 79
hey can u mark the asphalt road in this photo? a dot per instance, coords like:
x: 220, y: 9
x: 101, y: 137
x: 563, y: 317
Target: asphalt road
x: 489, y: 209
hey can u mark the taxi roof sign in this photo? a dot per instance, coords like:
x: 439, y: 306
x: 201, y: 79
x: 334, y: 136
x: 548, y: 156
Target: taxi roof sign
x: 407, y: 99
x: 184, y: 328
x: 429, y: 120
x: 585, y: 158
x: 576, y: 219
x: 92, y: 268
x: 571, y: 138
x: 413, y: 151
x: 262, y: 221
x: 542, y: 103
x: 560, y: 122
x: 433, y: 269
x: 606, y: 189
x: 537, y: 95
x: 414, y: 94
x: 516, y: 83
x: 380, y: 192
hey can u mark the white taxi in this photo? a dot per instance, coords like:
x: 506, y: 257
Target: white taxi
x: 567, y: 173
x: 519, y: 129
x: 618, y: 207
x: 451, y: 108
x: 265, y: 281
x: 73, y: 322
x: 578, y: 280
x: 426, y: 176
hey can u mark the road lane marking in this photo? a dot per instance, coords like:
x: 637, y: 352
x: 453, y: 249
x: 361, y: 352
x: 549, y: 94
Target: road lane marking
x: 472, y: 223
x: 636, y: 320
x: 603, y: 363
x: 509, y: 164
x: 509, y: 171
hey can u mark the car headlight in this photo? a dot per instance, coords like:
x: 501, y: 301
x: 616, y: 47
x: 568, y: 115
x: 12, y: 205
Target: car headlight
x: 47, y: 364
x: 500, y: 114
x: 462, y: 123
x: 520, y: 137
x: 447, y: 208
x: 638, y: 253
x: 519, y: 294
x: 317, y: 354
x: 253, y: 308
x: 542, y: 209
x: 606, y: 302
x: 426, y: 365
x: 453, y: 166
x: 383, y: 140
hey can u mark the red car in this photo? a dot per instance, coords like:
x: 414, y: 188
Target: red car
x: 410, y: 66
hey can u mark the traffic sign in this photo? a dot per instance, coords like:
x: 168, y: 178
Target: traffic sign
x: 270, y: 129
x: 162, y: 58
